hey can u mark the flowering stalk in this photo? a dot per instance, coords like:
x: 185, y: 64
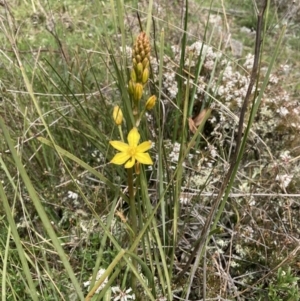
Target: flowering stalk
x: 132, y: 154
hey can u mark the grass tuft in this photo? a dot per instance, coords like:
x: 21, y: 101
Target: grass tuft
x: 211, y: 212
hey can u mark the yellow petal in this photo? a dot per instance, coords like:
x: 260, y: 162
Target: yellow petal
x: 144, y: 158
x: 143, y: 147
x: 120, y: 146
x: 120, y: 158
x: 133, y: 137
x: 130, y: 163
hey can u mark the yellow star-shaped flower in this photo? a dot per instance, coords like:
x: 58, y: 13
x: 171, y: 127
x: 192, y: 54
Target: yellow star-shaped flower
x: 131, y: 152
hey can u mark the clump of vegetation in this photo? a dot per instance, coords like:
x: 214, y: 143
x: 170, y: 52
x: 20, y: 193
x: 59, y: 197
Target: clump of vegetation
x: 145, y: 162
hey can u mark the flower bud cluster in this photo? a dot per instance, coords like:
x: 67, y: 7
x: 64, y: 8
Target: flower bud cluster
x: 140, y: 67
x: 138, y: 78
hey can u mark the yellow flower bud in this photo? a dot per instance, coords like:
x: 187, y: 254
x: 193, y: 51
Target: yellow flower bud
x: 139, y: 71
x: 117, y: 115
x: 131, y: 86
x: 135, y: 50
x: 147, y: 50
x: 138, y: 91
x: 145, y: 76
x: 138, y: 58
x: 142, y: 54
x: 133, y: 75
x: 150, y: 103
x: 134, y: 62
x: 145, y: 63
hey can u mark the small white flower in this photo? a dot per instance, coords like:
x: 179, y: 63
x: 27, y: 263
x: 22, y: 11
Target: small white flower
x: 175, y: 49
x: 191, y: 82
x: 252, y: 201
x: 99, y: 274
x: 273, y: 79
x: 220, y: 90
x: 174, y: 155
x: 285, y: 156
x: 196, y: 47
x: 244, y: 187
x: 240, y: 250
x: 169, y: 76
x: 245, y: 30
x: 213, y: 120
x: 209, y: 65
x: 234, y: 264
x: 283, y: 111
x: 72, y: 195
x: 296, y: 111
x: 128, y: 51
x: 284, y: 180
x: 173, y: 90
x: 285, y: 68
x: 249, y: 61
x: 285, y: 96
x: 222, y: 243
x: 213, y: 151
x: 185, y: 198
x: 227, y: 73
x: 200, y: 180
x: 120, y: 295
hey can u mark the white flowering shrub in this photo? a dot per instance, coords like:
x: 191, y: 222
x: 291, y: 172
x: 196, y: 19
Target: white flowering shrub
x: 268, y: 167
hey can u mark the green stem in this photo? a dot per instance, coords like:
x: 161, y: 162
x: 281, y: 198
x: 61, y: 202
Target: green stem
x: 139, y: 118
x: 133, y: 221
x: 135, y: 112
x: 121, y: 133
x: 133, y: 217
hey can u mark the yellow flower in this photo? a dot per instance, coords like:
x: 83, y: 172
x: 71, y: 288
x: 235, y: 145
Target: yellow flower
x: 131, y: 152
x: 117, y: 115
